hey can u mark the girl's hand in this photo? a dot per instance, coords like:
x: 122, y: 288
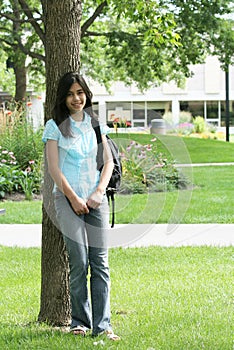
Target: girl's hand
x: 79, y: 206
x: 95, y: 199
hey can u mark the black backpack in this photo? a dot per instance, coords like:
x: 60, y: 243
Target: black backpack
x: 115, y: 179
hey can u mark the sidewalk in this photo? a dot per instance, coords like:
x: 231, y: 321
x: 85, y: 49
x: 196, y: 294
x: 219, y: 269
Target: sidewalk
x: 164, y: 235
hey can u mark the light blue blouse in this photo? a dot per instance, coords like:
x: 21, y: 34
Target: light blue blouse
x: 77, y: 154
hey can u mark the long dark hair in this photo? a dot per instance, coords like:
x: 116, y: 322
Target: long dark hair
x: 60, y: 112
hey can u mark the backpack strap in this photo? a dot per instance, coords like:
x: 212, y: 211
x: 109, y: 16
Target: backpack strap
x: 110, y: 194
x: 96, y: 127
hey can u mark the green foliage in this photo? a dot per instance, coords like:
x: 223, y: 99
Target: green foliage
x: 21, y: 36
x: 149, y: 41
x: 19, y: 136
x: 14, y: 179
x: 185, y: 117
x: 21, y: 154
x: 145, y: 169
x: 8, y: 179
x: 223, y: 43
x: 199, y: 125
x: 6, y: 76
x: 133, y: 41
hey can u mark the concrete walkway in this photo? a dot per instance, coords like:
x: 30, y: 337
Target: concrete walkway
x: 220, y: 235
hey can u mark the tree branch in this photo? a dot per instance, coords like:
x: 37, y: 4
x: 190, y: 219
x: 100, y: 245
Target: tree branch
x: 110, y: 34
x: 30, y: 53
x: 32, y: 20
x: 91, y: 19
x: 88, y: 33
x: 6, y: 42
x: 16, y: 20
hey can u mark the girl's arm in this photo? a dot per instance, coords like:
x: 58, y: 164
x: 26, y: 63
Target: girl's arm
x: 78, y: 204
x: 96, y: 197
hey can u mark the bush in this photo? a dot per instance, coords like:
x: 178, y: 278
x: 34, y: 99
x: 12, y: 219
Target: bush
x: 14, y: 179
x: 185, y: 117
x: 21, y: 154
x: 145, y: 170
x: 199, y: 125
x: 19, y: 137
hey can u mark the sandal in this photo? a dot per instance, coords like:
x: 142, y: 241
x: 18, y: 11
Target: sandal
x: 78, y: 330
x: 111, y: 335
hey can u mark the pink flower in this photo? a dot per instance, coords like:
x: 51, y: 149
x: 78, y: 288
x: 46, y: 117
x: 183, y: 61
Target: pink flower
x: 28, y: 169
x: 31, y: 162
x: 154, y: 139
x: 3, y: 161
x: 141, y: 155
x: 148, y: 147
x: 5, y: 152
x: 128, y: 148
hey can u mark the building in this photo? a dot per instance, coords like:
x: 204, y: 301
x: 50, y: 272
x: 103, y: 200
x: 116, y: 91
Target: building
x: 204, y: 95
x: 34, y: 108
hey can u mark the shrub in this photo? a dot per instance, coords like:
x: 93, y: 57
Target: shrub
x: 21, y: 154
x: 146, y: 170
x: 185, y: 128
x: 14, y: 179
x: 185, y: 117
x: 169, y: 119
x: 20, y: 137
x: 199, y: 125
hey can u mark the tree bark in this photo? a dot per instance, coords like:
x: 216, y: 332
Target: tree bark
x: 19, y: 60
x: 62, y: 40
x: 20, y: 80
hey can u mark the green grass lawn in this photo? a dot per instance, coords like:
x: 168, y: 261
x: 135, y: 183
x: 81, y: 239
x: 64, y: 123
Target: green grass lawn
x: 210, y: 201
x: 185, y: 149
x: 162, y: 298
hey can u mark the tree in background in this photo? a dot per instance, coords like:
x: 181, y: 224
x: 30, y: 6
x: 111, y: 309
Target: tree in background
x: 146, y: 42
x: 20, y: 41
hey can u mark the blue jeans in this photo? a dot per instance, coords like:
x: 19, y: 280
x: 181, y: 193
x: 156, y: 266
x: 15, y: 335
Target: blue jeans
x: 85, y: 237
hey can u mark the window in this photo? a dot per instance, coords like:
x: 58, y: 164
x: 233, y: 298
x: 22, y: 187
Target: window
x: 155, y: 110
x: 95, y: 107
x: 138, y: 111
x: 118, y: 111
x: 212, y: 110
x: 223, y: 113
x: 196, y: 108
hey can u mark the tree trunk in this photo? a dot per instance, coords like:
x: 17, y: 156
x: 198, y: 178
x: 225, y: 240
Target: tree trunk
x: 20, y: 79
x: 62, y: 31
x: 19, y: 59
